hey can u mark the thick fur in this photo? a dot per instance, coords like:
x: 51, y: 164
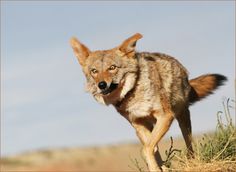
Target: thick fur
x: 203, y: 86
x: 149, y: 89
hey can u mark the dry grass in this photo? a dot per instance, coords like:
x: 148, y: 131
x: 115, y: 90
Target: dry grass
x: 214, y: 166
x: 215, y: 151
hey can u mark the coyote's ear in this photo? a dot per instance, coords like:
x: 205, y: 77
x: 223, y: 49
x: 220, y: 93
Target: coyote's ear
x: 80, y: 50
x: 128, y: 46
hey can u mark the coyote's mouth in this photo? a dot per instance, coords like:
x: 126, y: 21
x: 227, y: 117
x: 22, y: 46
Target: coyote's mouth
x: 108, y: 90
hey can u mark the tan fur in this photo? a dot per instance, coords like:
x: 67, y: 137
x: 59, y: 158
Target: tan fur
x: 149, y: 89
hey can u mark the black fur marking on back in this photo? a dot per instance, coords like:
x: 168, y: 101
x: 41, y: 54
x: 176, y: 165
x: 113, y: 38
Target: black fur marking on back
x: 149, y: 58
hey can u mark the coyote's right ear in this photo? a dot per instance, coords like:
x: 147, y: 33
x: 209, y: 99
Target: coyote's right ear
x: 80, y: 50
x: 128, y: 46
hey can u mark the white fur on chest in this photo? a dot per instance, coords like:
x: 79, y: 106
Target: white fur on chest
x: 128, y: 85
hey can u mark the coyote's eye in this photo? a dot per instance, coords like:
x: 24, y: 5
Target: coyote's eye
x: 94, y: 71
x: 112, y: 67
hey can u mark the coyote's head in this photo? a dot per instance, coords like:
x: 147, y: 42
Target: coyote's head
x: 110, y: 74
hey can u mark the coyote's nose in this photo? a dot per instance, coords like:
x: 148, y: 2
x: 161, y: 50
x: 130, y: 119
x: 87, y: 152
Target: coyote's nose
x: 102, y: 85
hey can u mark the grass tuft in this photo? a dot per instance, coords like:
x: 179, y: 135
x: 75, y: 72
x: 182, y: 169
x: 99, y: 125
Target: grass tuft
x: 222, y: 144
x: 216, y: 151
x: 135, y: 165
x: 170, y: 154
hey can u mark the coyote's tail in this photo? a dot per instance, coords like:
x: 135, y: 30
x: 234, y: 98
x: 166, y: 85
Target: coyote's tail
x: 204, y: 85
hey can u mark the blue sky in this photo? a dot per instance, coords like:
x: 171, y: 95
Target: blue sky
x: 43, y: 102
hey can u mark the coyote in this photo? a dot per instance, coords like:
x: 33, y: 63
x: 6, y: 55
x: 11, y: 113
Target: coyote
x: 150, y: 90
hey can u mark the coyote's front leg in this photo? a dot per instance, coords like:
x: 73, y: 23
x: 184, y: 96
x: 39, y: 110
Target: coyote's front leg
x: 144, y: 133
x: 161, y: 127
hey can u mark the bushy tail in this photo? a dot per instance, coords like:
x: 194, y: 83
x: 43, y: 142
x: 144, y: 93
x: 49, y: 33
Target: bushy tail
x: 204, y: 85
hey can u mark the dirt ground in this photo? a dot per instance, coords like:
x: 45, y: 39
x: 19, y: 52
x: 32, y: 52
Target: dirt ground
x: 120, y: 157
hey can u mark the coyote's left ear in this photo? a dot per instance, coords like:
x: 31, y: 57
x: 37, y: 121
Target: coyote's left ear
x: 128, y: 46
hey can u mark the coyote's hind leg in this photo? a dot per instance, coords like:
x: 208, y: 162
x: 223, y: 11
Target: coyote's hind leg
x: 186, y: 129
